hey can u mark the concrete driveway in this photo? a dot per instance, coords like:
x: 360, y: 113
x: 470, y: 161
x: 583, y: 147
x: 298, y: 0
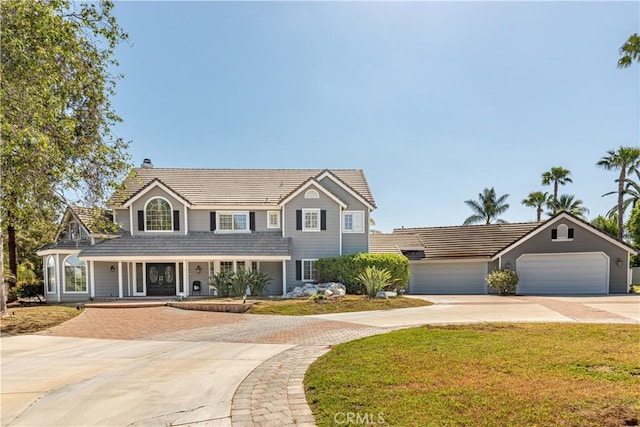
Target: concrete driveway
x: 60, y: 381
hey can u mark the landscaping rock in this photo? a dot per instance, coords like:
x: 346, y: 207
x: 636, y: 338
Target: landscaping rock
x: 386, y: 294
x: 330, y: 289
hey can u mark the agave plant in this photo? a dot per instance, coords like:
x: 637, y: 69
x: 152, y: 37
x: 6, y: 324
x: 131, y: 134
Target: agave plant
x: 374, y: 279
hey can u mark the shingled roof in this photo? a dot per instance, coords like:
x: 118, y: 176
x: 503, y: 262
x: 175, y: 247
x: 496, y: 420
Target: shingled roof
x: 470, y: 241
x: 394, y: 243
x: 236, y: 186
x: 95, y: 220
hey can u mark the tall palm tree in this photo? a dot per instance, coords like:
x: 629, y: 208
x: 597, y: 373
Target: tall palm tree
x: 632, y: 190
x: 567, y: 203
x: 537, y: 200
x: 558, y: 176
x: 626, y: 159
x: 487, y: 208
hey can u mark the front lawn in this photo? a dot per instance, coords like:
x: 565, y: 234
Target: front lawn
x: 348, y: 303
x: 28, y: 320
x: 489, y: 375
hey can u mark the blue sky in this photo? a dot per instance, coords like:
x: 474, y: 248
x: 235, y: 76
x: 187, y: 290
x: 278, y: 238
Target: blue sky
x: 434, y: 100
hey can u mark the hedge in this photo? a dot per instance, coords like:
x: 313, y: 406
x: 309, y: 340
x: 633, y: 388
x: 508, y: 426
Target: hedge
x: 346, y: 268
x: 29, y: 289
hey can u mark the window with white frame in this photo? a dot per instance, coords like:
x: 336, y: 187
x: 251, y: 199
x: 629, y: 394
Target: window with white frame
x: 75, y: 275
x: 273, y: 219
x: 310, y: 219
x: 51, y: 275
x: 311, y: 194
x: 158, y: 215
x: 226, y: 266
x: 233, y: 221
x: 309, y: 270
x: 353, y: 222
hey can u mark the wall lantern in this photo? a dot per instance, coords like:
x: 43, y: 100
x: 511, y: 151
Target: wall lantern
x: 198, y: 270
x: 619, y: 262
x: 113, y: 268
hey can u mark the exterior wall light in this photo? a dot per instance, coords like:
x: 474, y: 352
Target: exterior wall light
x: 619, y: 262
x: 198, y: 270
x: 113, y: 268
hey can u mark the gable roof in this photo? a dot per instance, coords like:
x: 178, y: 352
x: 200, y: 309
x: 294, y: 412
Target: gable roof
x: 235, y: 186
x: 155, y: 182
x: 94, y: 220
x: 394, y: 243
x: 308, y: 183
x: 468, y: 241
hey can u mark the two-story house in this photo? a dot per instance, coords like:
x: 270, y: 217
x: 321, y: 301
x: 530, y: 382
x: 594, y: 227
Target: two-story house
x: 178, y: 227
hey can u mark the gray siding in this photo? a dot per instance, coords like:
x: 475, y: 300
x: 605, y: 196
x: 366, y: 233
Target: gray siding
x: 203, y: 277
x: 199, y: 220
x: 274, y: 270
x: 138, y: 205
x: 583, y: 241
x: 122, y: 218
x: 351, y: 242
x: 309, y: 244
x: 106, y: 282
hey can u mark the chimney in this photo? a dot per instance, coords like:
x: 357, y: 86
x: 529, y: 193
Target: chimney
x: 146, y: 163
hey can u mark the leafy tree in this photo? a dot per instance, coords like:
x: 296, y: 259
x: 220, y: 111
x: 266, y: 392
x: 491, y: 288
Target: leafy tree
x: 633, y: 225
x: 626, y: 159
x: 538, y: 200
x: 558, y: 176
x: 630, y: 51
x: 567, y: 203
x: 487, y: 208
x: 55, y: 115
x: 606, y: 224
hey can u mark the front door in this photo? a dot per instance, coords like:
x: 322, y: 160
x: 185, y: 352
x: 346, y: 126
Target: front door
x: 161, y: 279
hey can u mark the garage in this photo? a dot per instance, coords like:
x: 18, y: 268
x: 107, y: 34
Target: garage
x: 563, y: 273
x: 448, y: 278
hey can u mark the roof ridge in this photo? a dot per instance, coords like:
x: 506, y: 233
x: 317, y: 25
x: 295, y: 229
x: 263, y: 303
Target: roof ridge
x: 467, y: 226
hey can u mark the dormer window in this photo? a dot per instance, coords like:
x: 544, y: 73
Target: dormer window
x: 74, y: 230
x: 312, y: 194
x: 158, y: 215
x: 562, y: 233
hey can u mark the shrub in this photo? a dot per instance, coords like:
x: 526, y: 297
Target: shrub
x: 374, y: 279
x: 345, y: 269
x: 504, y: 281
x: 258, y: 282
x: 222, y: 282
x: 240, y: 282
x: 30, y: 289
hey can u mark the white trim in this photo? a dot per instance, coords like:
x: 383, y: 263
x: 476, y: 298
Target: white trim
x: 144, y: 215
x: 302, y: 279
x: 332, y: 177
x: 144, y: 278
x: 227, y: 207
x: 131, y: 227
x: 129, y: 290
x: 56, y: 251
x: 232, y: 213
x: 311, y: 193
x: 186, y: 285
x: 564, y: 254
x: 344, y: 214
x: 186, y: 220
x: 282, y: 210
x: 284, y: 277
x: 340, y: 234
x: 64, y: 275
x: 92, y: 283
x: 318, y: 187
x: 545, y: 226
x: 449, y: 260
x: 120, y: 292
x: 46, y: 259
x: 172, y: 258
x: 269, y: 213
x: 152, y: 186
x: 368, y: 227
x: 58, y: 276
x: 311, y: 210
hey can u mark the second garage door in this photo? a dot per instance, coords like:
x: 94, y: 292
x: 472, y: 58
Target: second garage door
x: 563, y: 273
x: 448, y: 278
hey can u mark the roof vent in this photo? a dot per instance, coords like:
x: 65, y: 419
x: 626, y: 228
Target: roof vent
x: 146, y: 163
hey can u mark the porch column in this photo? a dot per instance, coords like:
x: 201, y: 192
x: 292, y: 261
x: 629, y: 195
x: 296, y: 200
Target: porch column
x: 119, y: 279
x: 92, y: 282
x: 58, y: 276
x: 185, y: 278
x: 284, y: 277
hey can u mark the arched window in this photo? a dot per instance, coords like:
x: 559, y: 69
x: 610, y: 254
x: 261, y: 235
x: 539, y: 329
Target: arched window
x: 75, y: 275
x: 312, y: 194
x: 158, y: 215
x: 51, y: 275
x: 563, y: 232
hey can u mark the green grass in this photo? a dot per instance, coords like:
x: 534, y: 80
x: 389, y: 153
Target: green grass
x: 635, y: 289
x: 348, y: 303
x: 488, y: 375
x: 28, y: 320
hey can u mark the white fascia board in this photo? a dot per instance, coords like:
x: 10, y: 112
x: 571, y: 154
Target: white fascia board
x: 237, y: 207
x: 58, y: 251
x: 553, y: 221
x: 449, y: 260
x: 143, y: 258
x: 317, y: 185
x: 328, y: 174
x: 152, y: 186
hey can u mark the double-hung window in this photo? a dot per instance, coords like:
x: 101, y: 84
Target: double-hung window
x: 310, y: 219
x: 233, y: 222
x: 273, y: 219
x: 308, y: 270
x: 353, y: 222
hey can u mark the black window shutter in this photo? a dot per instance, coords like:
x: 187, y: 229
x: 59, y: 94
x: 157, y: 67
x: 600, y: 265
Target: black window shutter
x: 252, y: 221
x: 554, y: 233
x: 298, y: 270
x: 212, y: 221
x: 140, y: 220
x: 298, y: 219
x: 323, y: 220
x: 570, y: 233
x: 176, y: 220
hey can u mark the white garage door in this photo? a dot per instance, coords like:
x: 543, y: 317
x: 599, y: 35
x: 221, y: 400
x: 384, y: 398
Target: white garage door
x: 448, y: 278
x: 584, y: 273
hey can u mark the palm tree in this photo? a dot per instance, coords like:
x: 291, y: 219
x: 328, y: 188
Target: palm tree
x: 487, y: 208
x: 567, y: 203
x: 558, y: 176
x: 631, y: 189
x: 626, y: 159
x: 537, y: 200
